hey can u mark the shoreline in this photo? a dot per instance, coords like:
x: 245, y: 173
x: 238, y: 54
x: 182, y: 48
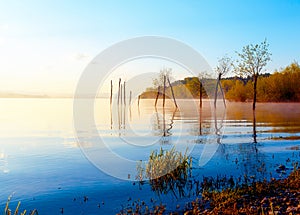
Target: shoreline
x: 277, y: 196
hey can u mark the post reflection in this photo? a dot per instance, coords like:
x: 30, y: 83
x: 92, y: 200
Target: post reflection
x: 164, y: 121
x: 254, y: 127
x: 219, y: 123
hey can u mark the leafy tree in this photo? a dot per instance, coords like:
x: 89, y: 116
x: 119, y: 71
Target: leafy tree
x: 236, y: 90
x: 282, y: 86
x: 193, y: 85
x: 252, y: 60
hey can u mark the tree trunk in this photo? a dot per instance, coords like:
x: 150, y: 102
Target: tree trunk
x: 111, y: 91
x: 157, y: 95
x: 172, y: 92
x: 139, y: 97
x: 121, y: 94
x: 119, y: 91
x: 200, y: 99
x: 254, y: 127
x: 223, y: 96
x: 164, y: 95
x: 216, y: 91
x: 124, y: 94
x: 255, y: 76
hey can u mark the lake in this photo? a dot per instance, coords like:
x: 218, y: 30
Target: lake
x: 50, y: 160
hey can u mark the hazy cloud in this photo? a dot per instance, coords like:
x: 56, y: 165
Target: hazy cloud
x: 80, y: 56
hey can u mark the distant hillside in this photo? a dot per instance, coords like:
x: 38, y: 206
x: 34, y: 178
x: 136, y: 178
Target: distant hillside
x: 32, y: 95
x: 281, y: 86
x: 20, y: 95
x: 186, y: 88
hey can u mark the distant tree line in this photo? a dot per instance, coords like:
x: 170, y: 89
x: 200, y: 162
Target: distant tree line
x: 188, y: 88
x: 282, y: 86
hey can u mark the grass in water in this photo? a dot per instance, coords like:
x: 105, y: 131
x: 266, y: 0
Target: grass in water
x: 8, y: 211
x: 166, y: 171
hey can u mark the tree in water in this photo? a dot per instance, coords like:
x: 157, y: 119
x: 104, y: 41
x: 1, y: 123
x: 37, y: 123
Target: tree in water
x: 252, y: 61
x: 159, y: 81
x: 223, y: 67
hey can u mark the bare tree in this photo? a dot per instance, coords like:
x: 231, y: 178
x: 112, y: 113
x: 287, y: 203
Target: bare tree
x: 167, y: 72
x: 224, y: 66
x: 252, y: 60
x: 160, y: 82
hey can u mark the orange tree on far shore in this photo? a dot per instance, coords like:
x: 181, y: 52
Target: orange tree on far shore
x: 281, y: 86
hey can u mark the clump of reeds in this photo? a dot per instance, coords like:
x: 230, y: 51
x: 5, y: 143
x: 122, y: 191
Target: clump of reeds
x: 166, y: 171
x: 8, y: 211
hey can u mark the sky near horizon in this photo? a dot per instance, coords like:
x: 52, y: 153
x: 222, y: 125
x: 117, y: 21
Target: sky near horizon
x: 45, y: 45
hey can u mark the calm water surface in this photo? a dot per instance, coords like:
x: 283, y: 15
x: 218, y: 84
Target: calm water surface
x: 43, y: 165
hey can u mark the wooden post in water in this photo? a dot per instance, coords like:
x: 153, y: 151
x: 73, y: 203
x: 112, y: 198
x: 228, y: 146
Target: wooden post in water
x: 216, y: 94
x: 121, y: 94
x: 200, y: 121
x: 130, y: 94
x: 164, y: 122
x: 254, y: 127
x: 139, y: 97
x: 216, y: 91
x: 164, y: 95
x: 124, y: 115
x: 200, y: 107
x: 222, y: 94
x: 111, y: 91
x: 200, y: 94
x: 172, y: 92
x: 157, y: 95
x: 124, y: 93
x: 119, y: 91
x: 121, y: 106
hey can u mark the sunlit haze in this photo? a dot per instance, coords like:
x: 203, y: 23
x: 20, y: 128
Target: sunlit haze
x: 45, y: 45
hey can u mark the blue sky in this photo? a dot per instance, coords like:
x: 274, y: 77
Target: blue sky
x: 45, y: 45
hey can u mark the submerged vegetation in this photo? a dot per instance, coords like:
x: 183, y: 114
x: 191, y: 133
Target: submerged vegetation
x: 274, y: 197
x: 167, y: 171
x: 8, y: 211
x: 214, y: 195
x: 223, y: 195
